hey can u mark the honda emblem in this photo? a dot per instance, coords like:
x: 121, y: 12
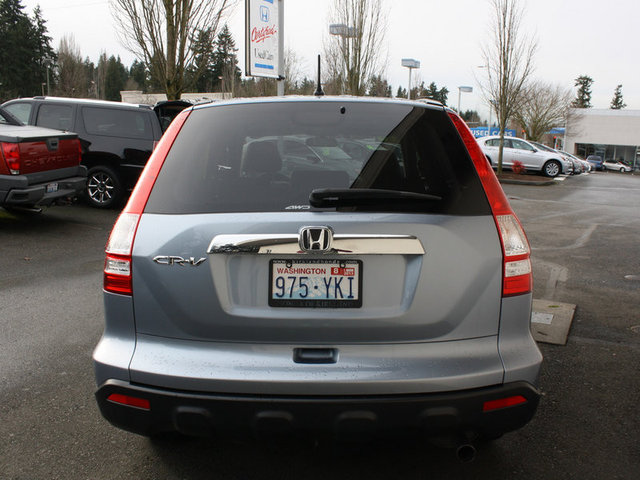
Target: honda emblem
x: 315, y: 239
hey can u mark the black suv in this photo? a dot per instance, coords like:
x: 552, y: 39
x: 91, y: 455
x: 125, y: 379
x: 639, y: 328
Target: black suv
x: 116, y: 138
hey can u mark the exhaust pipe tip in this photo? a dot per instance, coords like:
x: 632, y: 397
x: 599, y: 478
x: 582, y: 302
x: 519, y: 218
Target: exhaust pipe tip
x: 466, y: 453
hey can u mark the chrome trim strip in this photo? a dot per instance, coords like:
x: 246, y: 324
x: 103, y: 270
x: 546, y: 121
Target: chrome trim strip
x: 343, y: 244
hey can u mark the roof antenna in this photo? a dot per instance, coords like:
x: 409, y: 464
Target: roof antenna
x: 319, y: 92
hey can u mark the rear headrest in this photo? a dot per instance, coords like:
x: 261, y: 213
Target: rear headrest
x: 262, y: 157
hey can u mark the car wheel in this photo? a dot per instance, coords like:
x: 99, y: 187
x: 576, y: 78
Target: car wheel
x: 104, y: 189
x: 552, y: 168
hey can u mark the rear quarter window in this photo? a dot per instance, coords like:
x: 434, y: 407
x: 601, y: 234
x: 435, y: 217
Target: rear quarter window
x: 269, y: 157
x: 113, y: 122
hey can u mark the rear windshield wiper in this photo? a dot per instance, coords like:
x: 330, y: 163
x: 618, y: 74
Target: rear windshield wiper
x: 352, y: 197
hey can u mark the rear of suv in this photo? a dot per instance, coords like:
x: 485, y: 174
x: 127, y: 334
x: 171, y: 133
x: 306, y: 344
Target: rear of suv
x: 318, y: 265
x: 117, y: 139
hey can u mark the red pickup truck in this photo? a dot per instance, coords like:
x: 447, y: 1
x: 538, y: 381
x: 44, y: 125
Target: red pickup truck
x: 38, y: 166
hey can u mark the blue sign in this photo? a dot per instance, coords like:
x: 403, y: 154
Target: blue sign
x: 484, y: 132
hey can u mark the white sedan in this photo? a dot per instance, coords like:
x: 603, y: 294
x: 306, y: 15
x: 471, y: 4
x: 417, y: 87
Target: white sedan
x: 616, y: 166
x: 547, y: 161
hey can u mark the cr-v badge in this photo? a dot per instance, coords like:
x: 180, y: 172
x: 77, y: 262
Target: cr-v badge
x: 174, y: 260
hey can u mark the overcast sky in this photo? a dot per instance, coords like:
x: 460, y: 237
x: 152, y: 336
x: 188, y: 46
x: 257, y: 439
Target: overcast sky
x: 575, y: 37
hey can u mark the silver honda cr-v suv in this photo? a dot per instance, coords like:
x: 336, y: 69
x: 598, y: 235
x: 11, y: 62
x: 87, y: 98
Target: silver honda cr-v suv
x: 330, y: 265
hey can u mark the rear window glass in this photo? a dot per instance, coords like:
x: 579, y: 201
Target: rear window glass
x: 271, y: 156
x: 113, y: 122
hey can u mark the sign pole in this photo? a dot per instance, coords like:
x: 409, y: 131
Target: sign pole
x: 281, y: 48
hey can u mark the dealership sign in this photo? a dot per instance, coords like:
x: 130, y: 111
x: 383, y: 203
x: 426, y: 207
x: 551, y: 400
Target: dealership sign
x: 484, y: 131
x: 263, y: 30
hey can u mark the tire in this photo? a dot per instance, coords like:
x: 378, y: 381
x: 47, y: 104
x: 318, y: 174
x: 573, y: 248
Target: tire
x: 104, y: 188
x: 552, y: 168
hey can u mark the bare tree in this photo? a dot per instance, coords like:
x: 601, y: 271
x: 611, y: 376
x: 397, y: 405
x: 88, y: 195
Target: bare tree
x: 72, y: 78
x: 161, y: 33
x: 543, y: 107
x: 355, y: 52
x: 292, y: 69
x: 509, y: 60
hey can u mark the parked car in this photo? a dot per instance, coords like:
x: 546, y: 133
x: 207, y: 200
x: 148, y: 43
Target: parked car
x: 596, y: 162
x: 569, y: 167
x: 532, y: 158
x: 262, y: 278
x: 117, y: 138
x: 38, y: 166
x: 617, y: 166
x: 584, y: 165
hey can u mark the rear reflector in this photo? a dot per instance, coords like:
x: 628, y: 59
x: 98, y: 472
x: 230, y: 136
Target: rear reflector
x: 503, y: 403
x: 129, y: 401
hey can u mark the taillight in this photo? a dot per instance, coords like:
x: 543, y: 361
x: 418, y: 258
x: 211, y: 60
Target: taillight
x: 11, y: 154
x: 517, y: 278
x: 117, y: 265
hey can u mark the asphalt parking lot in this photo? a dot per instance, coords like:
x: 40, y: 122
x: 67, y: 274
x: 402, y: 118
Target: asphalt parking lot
x: 584, y: 233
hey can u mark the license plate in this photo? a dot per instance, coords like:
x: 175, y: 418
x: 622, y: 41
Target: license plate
x: 52, y: 187
x: 317, y: 283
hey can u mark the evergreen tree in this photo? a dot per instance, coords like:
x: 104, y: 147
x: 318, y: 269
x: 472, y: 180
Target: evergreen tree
x: 199, y: 76
x: 138, y: 73
x: 308, y: 86
x: 583, y: 97
x: 44, y: 54
x: 432, y: 92
x: 401, y: 93
x: 471, y: 116
x: 24, y: 49
x: 617, y: 103
x: 441, y: 95
x: 225, y: 71
x: 115, y: 79
x: 90, y: 75
x: 379, y: 87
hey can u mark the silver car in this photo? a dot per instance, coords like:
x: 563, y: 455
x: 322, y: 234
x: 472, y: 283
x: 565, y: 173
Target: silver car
x: 318, y: 265
x: 532, y: 158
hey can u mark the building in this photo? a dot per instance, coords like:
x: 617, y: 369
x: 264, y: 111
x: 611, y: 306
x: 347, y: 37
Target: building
x: 612, y: 134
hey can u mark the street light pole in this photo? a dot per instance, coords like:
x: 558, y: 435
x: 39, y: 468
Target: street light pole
x: 410, y: 63
x: 345, y: 32
x: 465, y: 90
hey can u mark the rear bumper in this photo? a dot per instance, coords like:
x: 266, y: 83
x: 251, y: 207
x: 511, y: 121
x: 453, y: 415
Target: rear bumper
x: 42, y: 188
x: 195, y: 413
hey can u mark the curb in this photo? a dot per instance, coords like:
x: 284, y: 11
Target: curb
x: 543, y: 183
